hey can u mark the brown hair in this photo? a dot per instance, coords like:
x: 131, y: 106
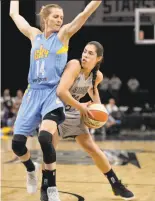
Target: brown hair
x: 100, y: 52
x: 44, y: 13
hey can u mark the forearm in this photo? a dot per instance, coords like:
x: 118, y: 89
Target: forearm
x: 14, y: 8
x: 91, y: 7
x: 67, y: 98
x: 95, y: 97
x: 79, y: 21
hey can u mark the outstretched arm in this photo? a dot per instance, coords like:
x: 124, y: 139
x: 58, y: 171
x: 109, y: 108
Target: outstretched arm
x: 23, y: 26
x: 96, y: 97
x: 80, y: 20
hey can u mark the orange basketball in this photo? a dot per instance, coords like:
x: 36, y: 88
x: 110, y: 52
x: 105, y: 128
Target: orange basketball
x: 100, y: 116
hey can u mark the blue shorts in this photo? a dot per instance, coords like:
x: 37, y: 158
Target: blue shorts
x: 35, y: 105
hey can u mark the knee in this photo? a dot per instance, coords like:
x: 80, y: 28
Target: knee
x: 19, y: 145
x: 48, y: 125
x: 45, y: 137
x: 45, y: 140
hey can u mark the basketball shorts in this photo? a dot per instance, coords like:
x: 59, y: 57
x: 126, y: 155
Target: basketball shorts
x: 35, y: 105
x: 73, y: 125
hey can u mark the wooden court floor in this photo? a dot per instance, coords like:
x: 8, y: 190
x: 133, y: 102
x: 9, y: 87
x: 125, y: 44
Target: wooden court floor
x: 78, y: 181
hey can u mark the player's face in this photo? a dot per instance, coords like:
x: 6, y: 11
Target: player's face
x: 55, y: 20
x: 89, y: 57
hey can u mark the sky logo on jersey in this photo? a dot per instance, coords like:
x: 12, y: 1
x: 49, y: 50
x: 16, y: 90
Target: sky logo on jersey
x: 41, y: 53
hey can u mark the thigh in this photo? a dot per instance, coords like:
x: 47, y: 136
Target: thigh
x: 52, y: 119
x: 28, y: 117
x: 49, y: 126
x: 56, y: 115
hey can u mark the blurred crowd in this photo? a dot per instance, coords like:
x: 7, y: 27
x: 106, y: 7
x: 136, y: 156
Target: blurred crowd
x: 112, y: 87
x: 119, y: 115
x: 9, y: 108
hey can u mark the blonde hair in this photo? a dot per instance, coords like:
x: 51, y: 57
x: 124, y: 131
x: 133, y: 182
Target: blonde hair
x: 44, y: 13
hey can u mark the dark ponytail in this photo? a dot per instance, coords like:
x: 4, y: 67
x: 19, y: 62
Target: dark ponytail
x: 94, y: 72
x: 100, y: 52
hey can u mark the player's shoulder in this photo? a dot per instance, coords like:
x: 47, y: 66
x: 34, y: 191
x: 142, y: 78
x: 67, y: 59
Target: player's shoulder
x: 74, y: 62
x: 73, y: 66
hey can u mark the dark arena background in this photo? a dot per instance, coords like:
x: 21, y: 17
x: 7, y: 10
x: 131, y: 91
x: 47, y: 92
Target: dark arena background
x: 127, y: 91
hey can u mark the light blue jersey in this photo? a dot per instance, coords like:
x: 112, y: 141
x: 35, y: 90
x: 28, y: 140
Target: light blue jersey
x: 47, y: 62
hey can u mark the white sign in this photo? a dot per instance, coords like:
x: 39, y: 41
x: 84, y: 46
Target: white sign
x: 111, y: 12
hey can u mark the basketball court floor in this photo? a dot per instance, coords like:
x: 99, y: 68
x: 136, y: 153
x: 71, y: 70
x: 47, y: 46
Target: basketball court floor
x: 78, y: 179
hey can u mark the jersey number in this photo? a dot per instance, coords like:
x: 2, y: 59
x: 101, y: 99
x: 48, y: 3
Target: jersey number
x: 40, y: 67
x: 76, y: 97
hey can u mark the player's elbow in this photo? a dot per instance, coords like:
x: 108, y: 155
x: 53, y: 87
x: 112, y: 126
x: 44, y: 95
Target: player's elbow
x: 60, y: 92
x: 13, y: 15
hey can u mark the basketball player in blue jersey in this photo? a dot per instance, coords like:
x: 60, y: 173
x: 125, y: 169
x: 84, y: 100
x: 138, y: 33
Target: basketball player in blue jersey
x: 40, y: 102
x: 79, y: 78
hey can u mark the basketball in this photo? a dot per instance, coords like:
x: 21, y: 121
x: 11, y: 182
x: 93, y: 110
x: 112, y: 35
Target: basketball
x: 100, y: 116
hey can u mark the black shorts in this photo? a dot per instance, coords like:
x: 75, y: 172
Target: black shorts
x: 56, y: 115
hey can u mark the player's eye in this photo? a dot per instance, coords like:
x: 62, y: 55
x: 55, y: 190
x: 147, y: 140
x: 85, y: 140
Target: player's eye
x: 91, y: 53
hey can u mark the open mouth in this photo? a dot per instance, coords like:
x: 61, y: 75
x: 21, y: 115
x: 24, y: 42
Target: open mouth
x: 84, y: 60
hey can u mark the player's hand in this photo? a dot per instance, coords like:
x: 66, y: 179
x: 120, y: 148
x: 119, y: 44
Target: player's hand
x: 85, y: 112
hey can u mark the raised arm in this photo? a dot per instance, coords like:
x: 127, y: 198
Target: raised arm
x: 96, y: 97
x: 23, y: 26
x: 81, y: 18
